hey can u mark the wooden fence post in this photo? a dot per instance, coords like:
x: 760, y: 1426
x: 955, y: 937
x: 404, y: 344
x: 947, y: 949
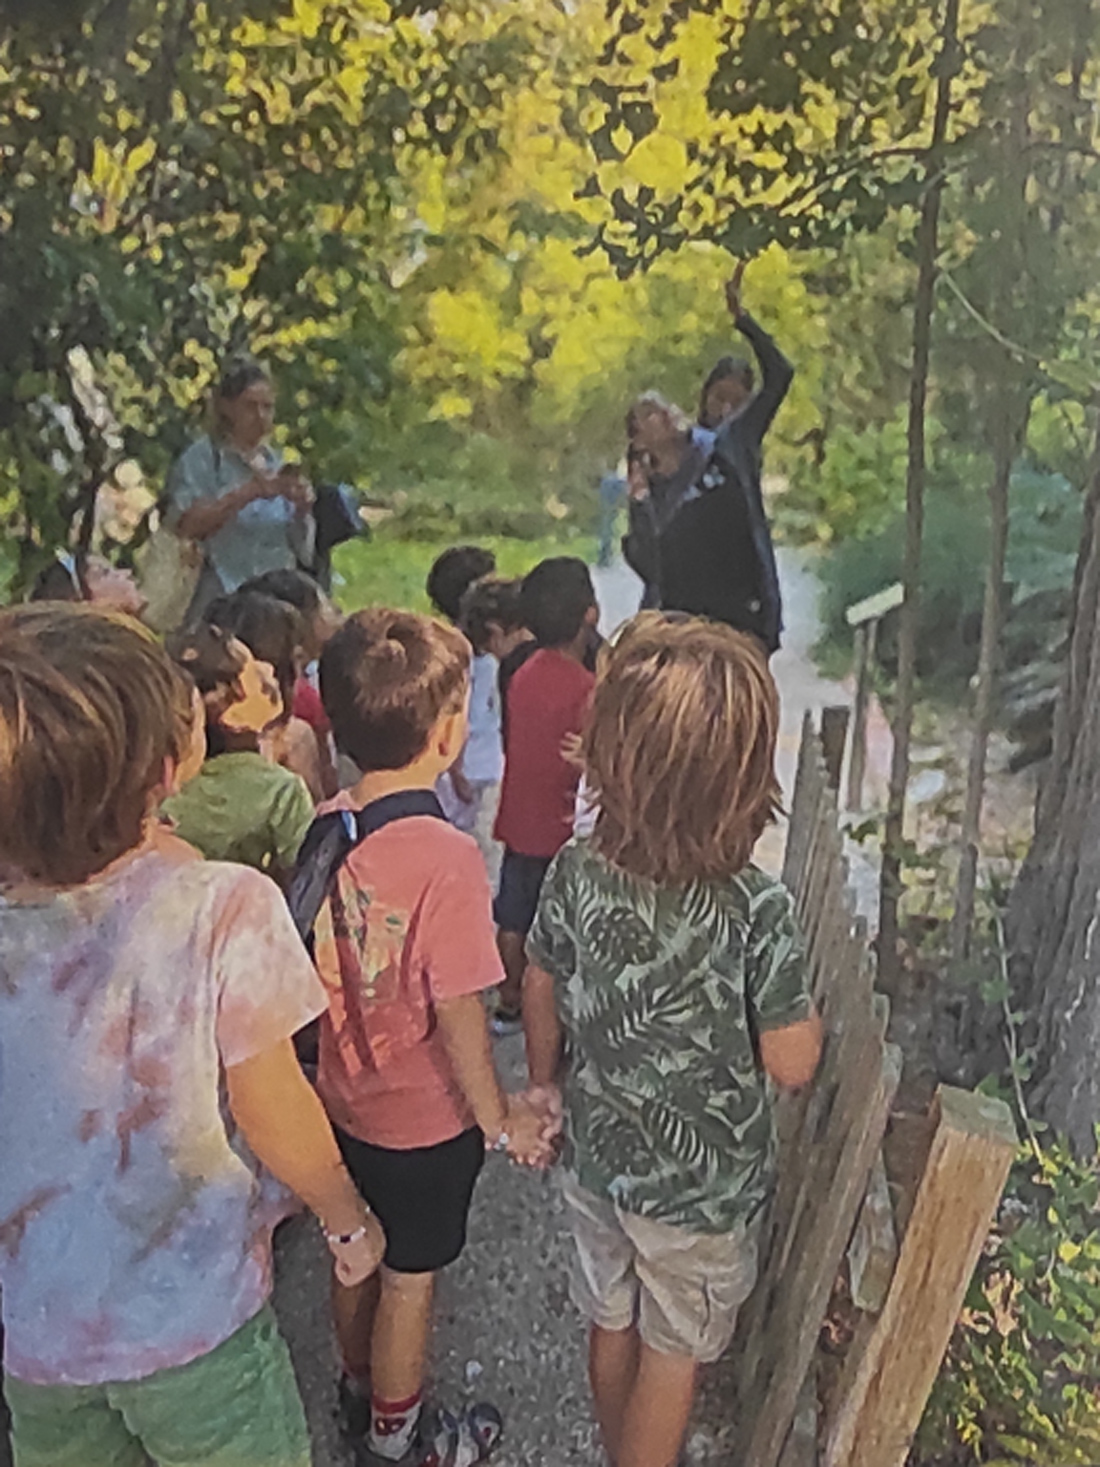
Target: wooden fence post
x: 864, y: 620
x: 857, y: 762
x: 834, y: 736
x: 882, y: 1401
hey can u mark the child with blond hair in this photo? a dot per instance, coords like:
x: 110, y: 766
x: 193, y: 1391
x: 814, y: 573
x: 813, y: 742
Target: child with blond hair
x: 667, y: 986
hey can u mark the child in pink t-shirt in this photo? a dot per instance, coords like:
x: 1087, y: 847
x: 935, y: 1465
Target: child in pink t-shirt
x: 405, y: 946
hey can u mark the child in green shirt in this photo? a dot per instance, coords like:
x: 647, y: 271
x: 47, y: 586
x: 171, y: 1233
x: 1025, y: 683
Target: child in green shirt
x: 241, y: 806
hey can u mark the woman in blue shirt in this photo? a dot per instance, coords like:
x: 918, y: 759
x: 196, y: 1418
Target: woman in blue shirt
x: 231, y: 493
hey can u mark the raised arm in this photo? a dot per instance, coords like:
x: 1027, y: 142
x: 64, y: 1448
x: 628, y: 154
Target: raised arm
x: 776, y: 372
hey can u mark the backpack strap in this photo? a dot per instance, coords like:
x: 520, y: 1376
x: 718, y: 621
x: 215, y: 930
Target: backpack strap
x: 329, y: 842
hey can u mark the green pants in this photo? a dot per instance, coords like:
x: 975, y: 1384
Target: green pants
x: 236, y: 1407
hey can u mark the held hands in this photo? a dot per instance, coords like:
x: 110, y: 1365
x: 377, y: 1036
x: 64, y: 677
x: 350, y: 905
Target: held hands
x: 534, y: 1123
x: 356, y: 1261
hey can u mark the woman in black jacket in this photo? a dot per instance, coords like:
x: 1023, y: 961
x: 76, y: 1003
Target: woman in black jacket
x: 699, y: 534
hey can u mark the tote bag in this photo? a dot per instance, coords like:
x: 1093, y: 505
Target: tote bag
x: 169, y: 568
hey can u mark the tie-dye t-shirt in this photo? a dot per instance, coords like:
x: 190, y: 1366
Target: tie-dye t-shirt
x: 133, y: 1231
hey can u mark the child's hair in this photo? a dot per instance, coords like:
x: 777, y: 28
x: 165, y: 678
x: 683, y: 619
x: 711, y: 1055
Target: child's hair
x: 386, y: 678
x: 555, y: 600
x: 90, y: 710
x: 295, y: 587
x: 454, y: 572
x: 492, y: 601
x: 214, y: 663
x: 680, y: 749
x: 270, y: 629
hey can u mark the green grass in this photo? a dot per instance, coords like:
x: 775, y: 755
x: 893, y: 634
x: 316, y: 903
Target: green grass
x: 391, y: 572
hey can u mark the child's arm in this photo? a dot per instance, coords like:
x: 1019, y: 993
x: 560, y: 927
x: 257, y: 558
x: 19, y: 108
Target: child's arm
x: 285, y: 1125
x: 541, y: 1027
x: 791, y: 1055
x: 465, y: 1036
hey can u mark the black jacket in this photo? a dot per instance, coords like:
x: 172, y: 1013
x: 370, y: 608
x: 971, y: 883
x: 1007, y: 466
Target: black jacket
x: 705, y: 548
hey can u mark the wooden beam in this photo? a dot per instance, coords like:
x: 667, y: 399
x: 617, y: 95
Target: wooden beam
x: 972, y: 1150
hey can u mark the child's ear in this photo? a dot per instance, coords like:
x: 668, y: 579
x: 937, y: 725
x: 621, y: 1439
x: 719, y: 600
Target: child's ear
x: 452, y: 734
x: 592, y: 616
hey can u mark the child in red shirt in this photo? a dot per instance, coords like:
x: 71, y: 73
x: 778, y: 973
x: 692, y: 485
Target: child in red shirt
x: 405, y: 948
x: 548, y: 700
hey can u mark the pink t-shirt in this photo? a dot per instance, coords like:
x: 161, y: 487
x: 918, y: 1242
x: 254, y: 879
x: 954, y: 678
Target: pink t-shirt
x: 409, y: 925
x: 134, y: 1234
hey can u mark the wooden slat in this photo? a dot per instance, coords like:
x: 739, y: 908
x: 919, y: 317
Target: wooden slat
x: 972, y: 1150
x: 873, y: 1251
x: 806, y: 1253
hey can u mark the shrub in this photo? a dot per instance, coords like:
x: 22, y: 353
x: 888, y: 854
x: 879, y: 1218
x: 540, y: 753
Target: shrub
x: 1021, y: 1381
x: 1045, y: 525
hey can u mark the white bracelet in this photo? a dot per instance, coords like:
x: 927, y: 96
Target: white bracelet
x: 344, y: 1240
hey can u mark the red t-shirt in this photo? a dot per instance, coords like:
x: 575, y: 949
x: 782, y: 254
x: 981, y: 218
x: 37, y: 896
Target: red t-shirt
x: 308, y: 706
x: 547, y: 699
x: 411, y: 925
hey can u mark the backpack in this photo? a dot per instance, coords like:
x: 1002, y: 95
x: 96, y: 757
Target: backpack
x: 329, y: 842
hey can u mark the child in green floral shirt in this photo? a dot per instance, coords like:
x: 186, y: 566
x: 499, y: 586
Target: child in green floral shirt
x: 668, y: 984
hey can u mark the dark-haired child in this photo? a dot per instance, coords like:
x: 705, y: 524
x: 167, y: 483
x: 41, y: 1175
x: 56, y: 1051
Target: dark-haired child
x: 143, y: 988
x: 468, y: 790
x: 547, y: 702
x: 452, y: 575
x: 405, y: 947
x: 274, y: 632
x: 668, y: 983
x: 318, y: 620
x: 240, y: 806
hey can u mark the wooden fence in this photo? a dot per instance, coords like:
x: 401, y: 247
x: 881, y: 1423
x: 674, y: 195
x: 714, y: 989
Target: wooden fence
x: 832, y: 1208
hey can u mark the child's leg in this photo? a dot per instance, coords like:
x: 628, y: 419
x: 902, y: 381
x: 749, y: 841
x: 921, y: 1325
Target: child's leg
x: 655, y: 1421
x: 513, y: 954
x: 401, y: 1328
x: 422, y: 1198
x: 691, y: 1287
x: 521, y: 879
x: 353, y: 1313
x: 612, y: 1371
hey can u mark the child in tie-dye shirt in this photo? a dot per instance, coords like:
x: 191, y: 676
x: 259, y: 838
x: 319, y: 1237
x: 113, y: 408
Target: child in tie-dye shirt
x: 145, y: 995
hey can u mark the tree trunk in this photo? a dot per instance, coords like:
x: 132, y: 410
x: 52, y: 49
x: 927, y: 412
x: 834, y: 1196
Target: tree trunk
x: 1053, y: 922
x: 1007, y: 437
x: 923, y: 306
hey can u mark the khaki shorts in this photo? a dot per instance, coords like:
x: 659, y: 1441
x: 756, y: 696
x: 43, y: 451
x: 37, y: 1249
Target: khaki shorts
x: 681, y: 1290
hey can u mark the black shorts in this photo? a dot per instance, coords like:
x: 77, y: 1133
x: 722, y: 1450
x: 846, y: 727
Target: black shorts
x: 421, y: 1197
x: 521, y: 879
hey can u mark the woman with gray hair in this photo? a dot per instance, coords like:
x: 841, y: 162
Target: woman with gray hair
x: 231, y: 494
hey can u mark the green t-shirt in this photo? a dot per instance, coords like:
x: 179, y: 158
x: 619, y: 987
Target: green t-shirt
x: 660, y: 991
x: 241, y: 807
